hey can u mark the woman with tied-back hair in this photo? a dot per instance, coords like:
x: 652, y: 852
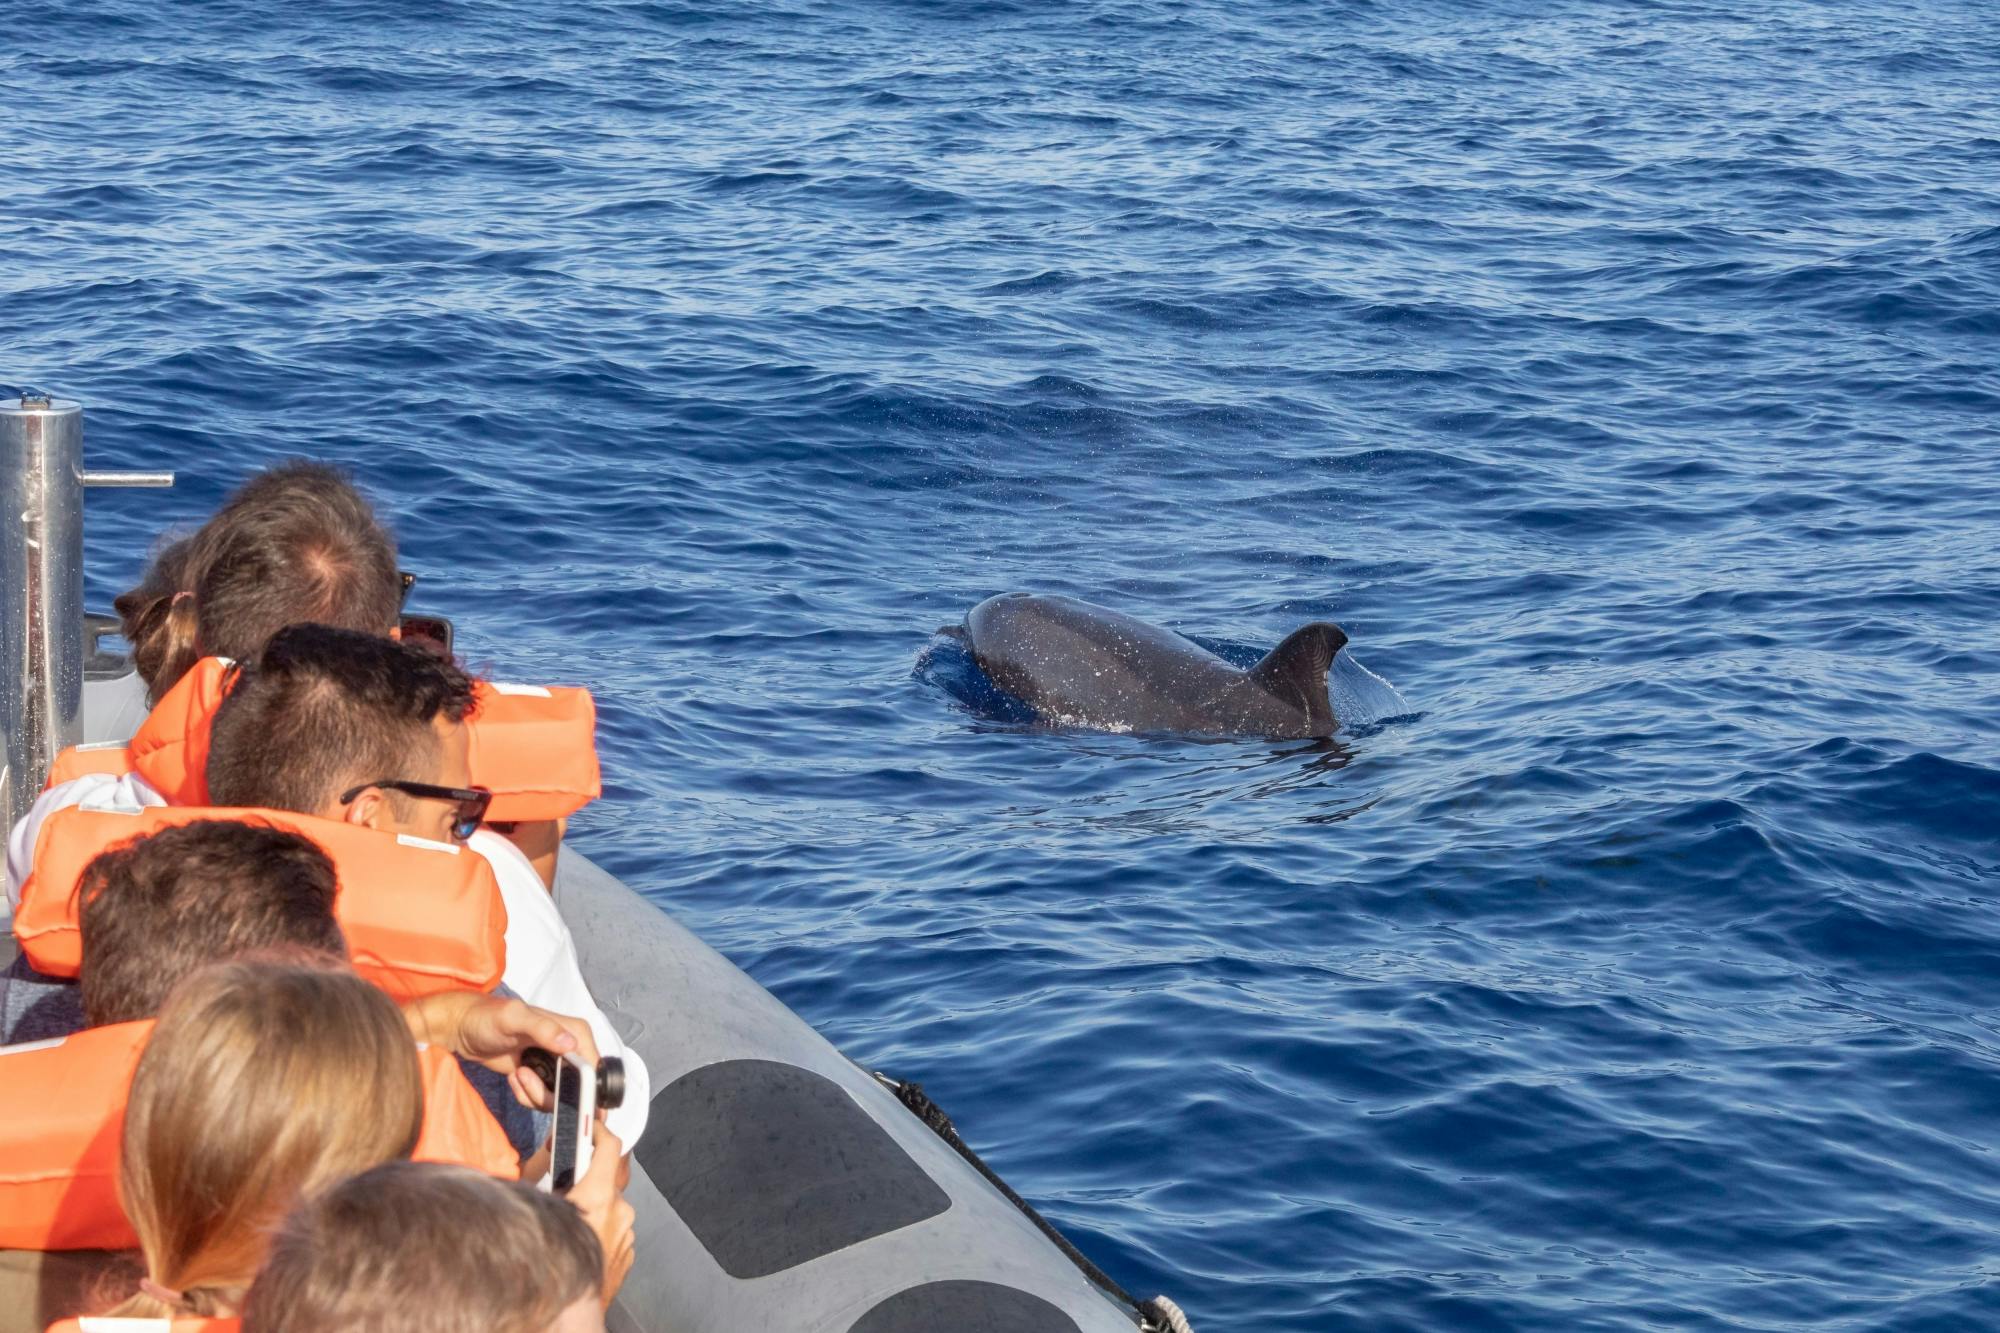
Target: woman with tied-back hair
x: 265, y: 1082
x: 415, y: 1247
x: 157, y: 618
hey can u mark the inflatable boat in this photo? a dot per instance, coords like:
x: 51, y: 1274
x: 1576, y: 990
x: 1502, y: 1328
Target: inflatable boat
x: 779, y: 1186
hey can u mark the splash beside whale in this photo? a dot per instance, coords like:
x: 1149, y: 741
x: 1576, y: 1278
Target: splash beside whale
x: 1086, y: 666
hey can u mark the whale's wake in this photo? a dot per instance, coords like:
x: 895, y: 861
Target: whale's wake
x: 1361, y: 698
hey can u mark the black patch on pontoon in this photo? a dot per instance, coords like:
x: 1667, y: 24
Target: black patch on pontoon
x: 964, y: 1307
x: 771, y: 1165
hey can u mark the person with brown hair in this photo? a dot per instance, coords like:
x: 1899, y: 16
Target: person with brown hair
x: 162, y: 907
x: 347, y: 726
x: 416, y: 1248
x: 157, y: 618
x: 264, y: 1083
x: 295, y: 542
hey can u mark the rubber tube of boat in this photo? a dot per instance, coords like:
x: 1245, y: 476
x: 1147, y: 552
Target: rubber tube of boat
x: 41, y: 587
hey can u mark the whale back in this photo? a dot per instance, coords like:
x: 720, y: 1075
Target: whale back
x: 1084, y: 665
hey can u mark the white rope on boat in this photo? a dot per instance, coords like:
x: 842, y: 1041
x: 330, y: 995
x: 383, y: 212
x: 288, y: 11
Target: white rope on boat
x: 1164, y: 1309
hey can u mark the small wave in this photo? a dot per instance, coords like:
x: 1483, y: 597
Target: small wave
x: 885, y: 193
x: 735, y: 182
x: 947, y: 664
x: 1050, y: 280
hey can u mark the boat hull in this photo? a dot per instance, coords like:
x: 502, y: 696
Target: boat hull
x: 880, y: 1205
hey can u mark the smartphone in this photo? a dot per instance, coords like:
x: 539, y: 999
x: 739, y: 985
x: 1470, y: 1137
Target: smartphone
x: 432, y: 633
x: 575, y: 1089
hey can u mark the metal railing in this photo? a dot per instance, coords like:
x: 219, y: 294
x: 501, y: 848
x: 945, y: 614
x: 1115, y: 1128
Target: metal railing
x: 41, y: 587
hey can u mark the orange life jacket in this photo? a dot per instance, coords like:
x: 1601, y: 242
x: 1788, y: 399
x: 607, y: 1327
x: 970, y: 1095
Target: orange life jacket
x: 112, y: 758
x: 419, y: 916
x: 459, y: 1129
x: 533, y: 746
x: 119, y: 1323
x: 59, y: 1137
x: 170, y: 749
x: 62, y: 1119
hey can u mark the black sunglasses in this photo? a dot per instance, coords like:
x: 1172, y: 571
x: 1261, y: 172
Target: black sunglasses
x: 472, y: 801
x: 408, y: 581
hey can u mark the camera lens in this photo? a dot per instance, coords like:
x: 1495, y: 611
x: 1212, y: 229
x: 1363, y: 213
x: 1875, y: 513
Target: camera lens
x: 611, y: 1083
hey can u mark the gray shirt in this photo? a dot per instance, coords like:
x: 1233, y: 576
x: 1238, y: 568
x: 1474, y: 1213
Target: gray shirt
x: 37, y: 1007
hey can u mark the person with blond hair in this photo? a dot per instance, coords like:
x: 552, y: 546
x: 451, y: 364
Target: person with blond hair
x: 266, y: 1082
x: 414, y: 1247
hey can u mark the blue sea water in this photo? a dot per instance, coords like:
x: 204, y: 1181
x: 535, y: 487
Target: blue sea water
x: 1621, y: 376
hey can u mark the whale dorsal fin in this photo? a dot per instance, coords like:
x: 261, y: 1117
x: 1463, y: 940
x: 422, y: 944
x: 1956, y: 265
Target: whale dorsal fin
x: 1295, y: 671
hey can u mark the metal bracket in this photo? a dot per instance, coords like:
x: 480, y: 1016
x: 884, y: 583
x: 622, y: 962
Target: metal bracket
x: 128, y: 480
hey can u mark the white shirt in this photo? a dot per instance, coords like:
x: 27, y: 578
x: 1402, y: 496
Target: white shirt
x: 542, y: 969
x: 127, y: 793
x: 542, y: 966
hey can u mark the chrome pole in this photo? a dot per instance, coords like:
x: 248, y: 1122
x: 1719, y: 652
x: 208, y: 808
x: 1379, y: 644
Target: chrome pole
x: 41, y: 587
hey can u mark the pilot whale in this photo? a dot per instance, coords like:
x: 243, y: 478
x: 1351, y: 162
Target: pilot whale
x: 1083, y: 665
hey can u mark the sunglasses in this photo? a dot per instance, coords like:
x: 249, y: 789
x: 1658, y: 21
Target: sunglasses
x: 472, y: 801
x: 407, y: 581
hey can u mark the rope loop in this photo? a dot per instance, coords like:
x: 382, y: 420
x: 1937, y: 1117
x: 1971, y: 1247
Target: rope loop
x: 1163, y: 1316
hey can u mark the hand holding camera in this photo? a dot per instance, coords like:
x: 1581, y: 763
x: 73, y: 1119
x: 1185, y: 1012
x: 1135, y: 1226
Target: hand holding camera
x: 600, y: 1197
x: 499, y: 1032
x: 586, y: 1160
x: 581, y: 1089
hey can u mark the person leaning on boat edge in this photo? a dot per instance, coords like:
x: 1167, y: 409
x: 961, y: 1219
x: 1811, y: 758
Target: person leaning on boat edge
x: 364, y: 730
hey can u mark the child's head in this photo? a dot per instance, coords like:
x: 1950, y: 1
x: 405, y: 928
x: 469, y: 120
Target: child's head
x: 422, y: 1248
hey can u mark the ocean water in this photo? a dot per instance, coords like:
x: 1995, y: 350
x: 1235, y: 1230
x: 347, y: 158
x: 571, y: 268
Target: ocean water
x: 1621, y: 376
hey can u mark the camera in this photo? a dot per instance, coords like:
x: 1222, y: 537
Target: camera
x: 581, y: 1090
x: 431, y: 633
